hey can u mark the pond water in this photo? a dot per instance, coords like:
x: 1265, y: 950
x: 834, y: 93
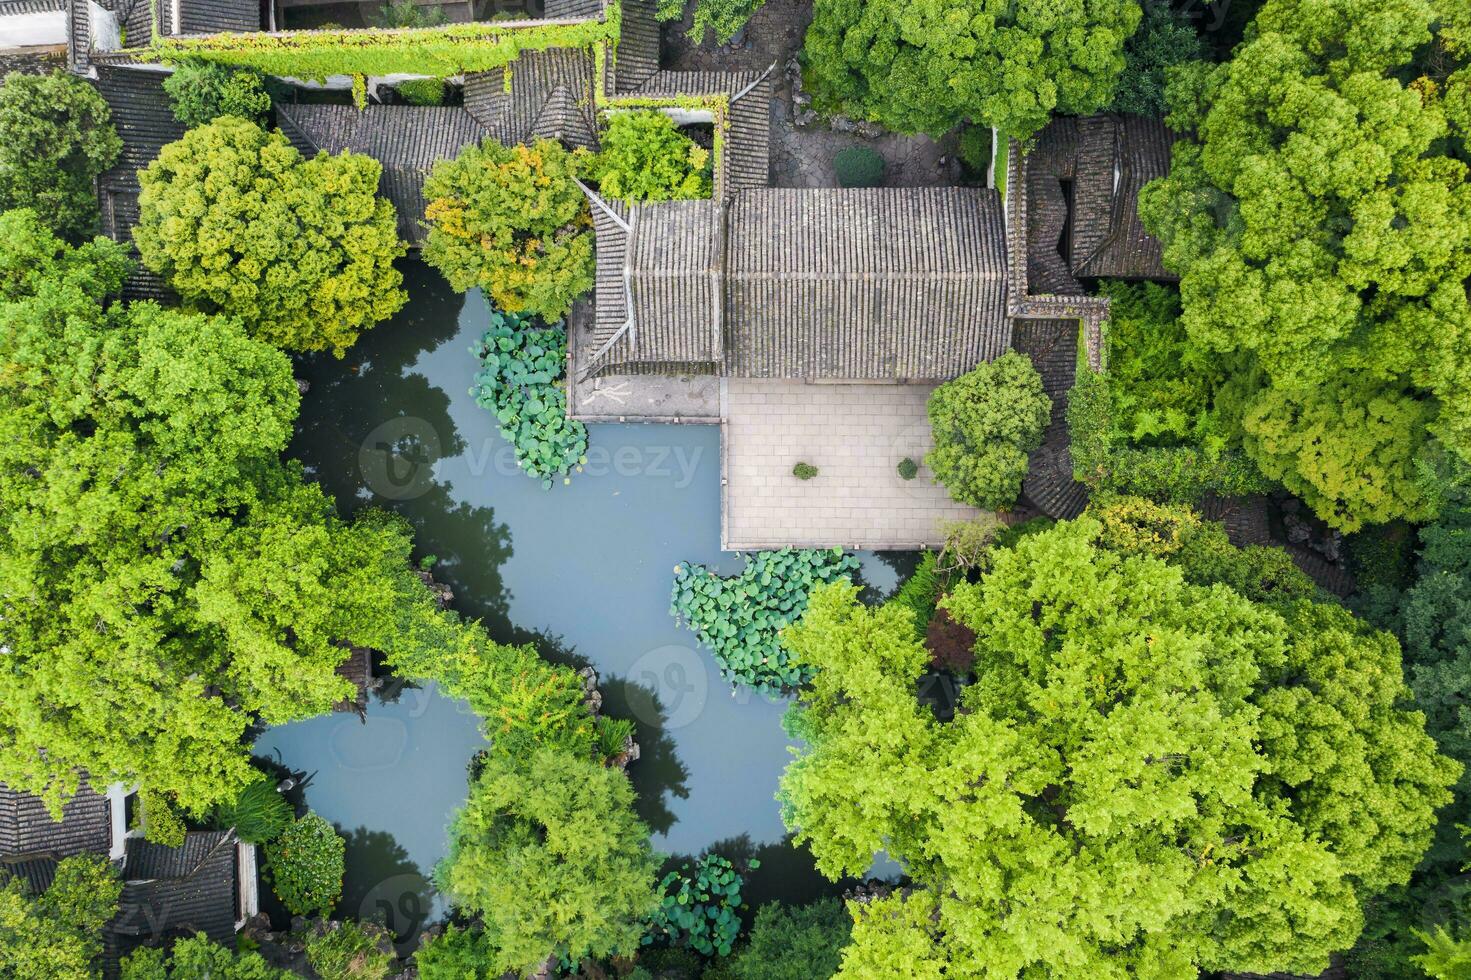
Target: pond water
x: 583, y: 570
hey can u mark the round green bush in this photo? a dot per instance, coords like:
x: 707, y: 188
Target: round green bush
x: 804, y: 471
x: 305, y: 866
x: 858, y: 166
x: 908, y: 468
x: 422, y: 91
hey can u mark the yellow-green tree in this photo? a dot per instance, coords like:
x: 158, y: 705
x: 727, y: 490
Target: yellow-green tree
x: 512, y: 221
x: 300, y: 251
x: 1148, y: 778
x: 57, y: 935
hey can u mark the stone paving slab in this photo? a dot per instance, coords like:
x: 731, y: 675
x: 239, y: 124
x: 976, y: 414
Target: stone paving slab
x: 855, y: 435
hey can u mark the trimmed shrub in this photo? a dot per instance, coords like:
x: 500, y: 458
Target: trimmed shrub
x: 794, y: 942
x: 701, y: 906
x: 908, y: 469
x: 350, y: 950
x: 645, y: 157
x: 202, y: 91
x: 985, y: 424
x: 259, y: 814
x: 520, y: 380
x: 305, y: 866
x: 920, y: 592
x: 858, y: 166
x: 511, y: 220
x: 804, y: 471
x: 56, y: 137
x: 422, y: 91
x: 740, y: 618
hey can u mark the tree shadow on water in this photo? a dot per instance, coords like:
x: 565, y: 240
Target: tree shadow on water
x: 384, y: 886
x: 658, y: 774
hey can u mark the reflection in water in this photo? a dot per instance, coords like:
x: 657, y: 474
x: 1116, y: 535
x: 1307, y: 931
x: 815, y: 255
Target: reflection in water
x: 383, y: 885
x: 588, y: 579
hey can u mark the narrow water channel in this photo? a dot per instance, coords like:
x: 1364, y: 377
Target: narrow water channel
x: 583, y: 570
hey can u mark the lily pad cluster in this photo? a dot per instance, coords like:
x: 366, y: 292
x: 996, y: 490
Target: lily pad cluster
x: 701, y: 906
x: 520, y: 380
x: 739, y: 618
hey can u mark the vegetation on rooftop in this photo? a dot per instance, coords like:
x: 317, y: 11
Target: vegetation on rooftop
x: 201, y: 92
x: 645, y: 157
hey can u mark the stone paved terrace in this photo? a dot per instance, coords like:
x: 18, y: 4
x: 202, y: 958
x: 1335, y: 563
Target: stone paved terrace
x: 855, y: 435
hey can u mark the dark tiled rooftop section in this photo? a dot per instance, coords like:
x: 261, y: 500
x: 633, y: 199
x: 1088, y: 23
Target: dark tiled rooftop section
x: 26, y: 826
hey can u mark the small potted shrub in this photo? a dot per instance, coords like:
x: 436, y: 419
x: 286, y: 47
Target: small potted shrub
x: 907, y: 468
x: 804, y: 471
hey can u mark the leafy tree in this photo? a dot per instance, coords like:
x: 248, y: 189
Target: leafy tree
x: 57, y: 935
x: 794, y: 942
x: 1147, y: 777
x: 926, y: 67
x: 512, y: 221
x: 646, y: 158
x: 56, y: 137
x: 305, y: 866
x: 301, y: 251
x: 457, y: 954
x: 202, y: 91
x: 169, y: 580
x: 1445, y: 957
x: 34, y: 259
x: 1353, y: 453
x: 1322, y: 229
x: 723, y: 18
x: 196, y: 957
x: 985, y: 423
x: 1164, y: 40
x: 548, y: 852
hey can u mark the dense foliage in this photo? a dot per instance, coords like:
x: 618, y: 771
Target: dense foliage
x: 350, y: 950
x: 195, y: 957
x: 302, y: 251
x: 141, y: 458
x: 57, y: 935
x: 456, y: 954
x: 926, y: 67
x: 794, y: 943
x: 305, y: 866
x: 700, y: 906
x: 512, y: 221
x: 422, y: 91
x: 1322, y: 228
x: 521, y: 381
x: 723, y: 18
x: 1146, y: 777
x: 259, y: 813
x: 646, y: 158
x: 739, y: 618
x: 56, y: 137
x: 985, y: 423
x: 1165, y: 39
x: 549, y: 854
x: 201, y: 92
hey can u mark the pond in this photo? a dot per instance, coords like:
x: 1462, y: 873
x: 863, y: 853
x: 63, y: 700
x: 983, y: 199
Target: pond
x: 582, y: 570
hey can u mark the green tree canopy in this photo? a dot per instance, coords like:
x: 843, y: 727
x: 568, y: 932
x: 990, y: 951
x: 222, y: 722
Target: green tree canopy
x: 549, y: 853
x: 512, y: 221
x: 985, y: 423
x: 1321, y: 227
x: 1147, y: 777
x: 56, y: 136
x: 301, y: 251
x: 202, y: 91
x: 1164, y: 40
x: 924, y: 67
x: 646, y: 158
x: 198, y: 957
x: 167, y: 579
x: 794, y: 942
x: 57, y: 935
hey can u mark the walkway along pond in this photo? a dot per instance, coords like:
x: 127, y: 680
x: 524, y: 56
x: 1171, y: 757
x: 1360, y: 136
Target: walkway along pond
x: 582, y: 570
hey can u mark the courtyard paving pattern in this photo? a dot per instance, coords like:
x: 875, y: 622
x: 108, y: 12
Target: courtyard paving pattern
x: 855, y: 435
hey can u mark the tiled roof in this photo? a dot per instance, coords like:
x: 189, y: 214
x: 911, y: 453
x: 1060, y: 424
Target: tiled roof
x: 664, y: 259
x: 36, y: 870
x: 637, y: 53
x: 746, y: 156
x: 551, y: 94
x: 1120, y: 155
x: 26, y: 826
x: 864, y: 284
x: 406, y: 140
x: 140, y: 111
x: 211, y: 16
x: 168, y: 891
x: 1052, y: 346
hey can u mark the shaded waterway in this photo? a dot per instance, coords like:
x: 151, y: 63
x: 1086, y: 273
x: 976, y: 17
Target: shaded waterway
x: 583, y: 570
